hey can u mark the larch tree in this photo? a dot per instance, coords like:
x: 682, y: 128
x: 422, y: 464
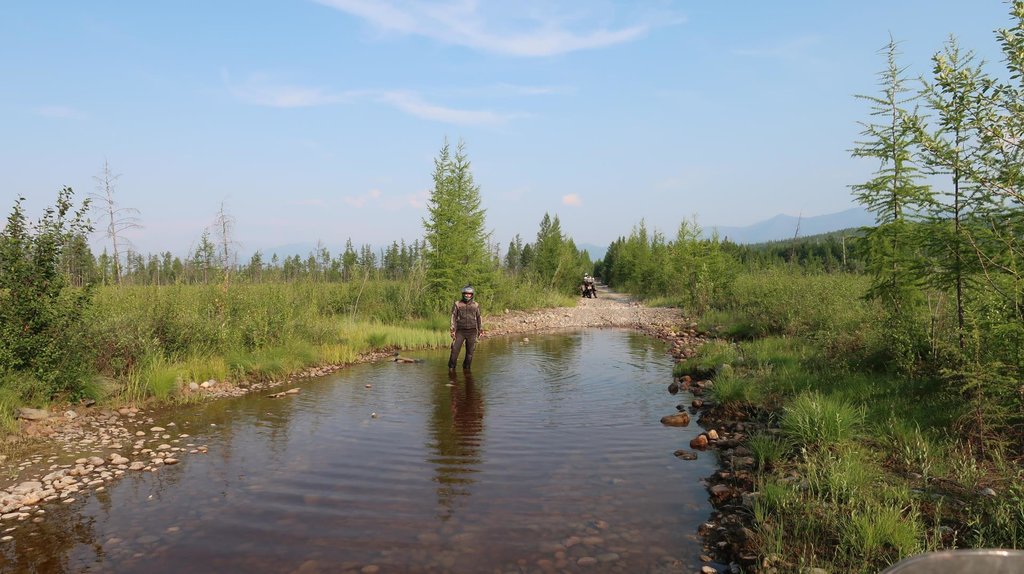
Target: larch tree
x: 894, y: 191
x: 455, y: 232
x: 958, y: 94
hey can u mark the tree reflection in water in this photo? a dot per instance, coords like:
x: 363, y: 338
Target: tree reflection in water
x: 456, y: 424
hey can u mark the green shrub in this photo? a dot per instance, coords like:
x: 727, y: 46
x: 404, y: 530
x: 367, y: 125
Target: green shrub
x: 42, y: 326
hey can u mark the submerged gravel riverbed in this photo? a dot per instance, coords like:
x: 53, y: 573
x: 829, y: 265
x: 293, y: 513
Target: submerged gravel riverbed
x: 85, y: 448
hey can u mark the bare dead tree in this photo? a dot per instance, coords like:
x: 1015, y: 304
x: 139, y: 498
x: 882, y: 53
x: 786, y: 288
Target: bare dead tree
x: 118, y: 219
x: 224, y: 230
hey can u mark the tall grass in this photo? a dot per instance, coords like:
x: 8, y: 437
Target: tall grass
x: 813, y: 419
x: 151, y: 337
x: 730, y: 390
x: 708, y: 359
x: 884, y: 534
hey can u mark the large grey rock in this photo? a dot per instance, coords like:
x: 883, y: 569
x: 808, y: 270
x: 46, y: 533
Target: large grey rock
x: 33, y: 414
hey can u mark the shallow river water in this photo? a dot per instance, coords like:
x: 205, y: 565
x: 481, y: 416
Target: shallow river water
x: 548, y: 457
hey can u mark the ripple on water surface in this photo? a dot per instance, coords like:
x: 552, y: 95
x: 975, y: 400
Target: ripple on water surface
x: 549, y: 455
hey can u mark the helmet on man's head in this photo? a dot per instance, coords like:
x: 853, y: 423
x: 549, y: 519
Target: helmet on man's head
x: 468, y: 289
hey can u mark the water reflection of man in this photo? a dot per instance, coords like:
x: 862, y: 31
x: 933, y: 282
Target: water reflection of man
x: 457, y: 426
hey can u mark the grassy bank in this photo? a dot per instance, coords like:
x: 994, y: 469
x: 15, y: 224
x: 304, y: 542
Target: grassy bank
x: 147, y: 342
x: 858, y: 463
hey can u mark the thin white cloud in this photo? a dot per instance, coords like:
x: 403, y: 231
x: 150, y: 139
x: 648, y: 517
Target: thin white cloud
x: 59, y: 112
x: 361, y: 201
x: 310, y: 202
x: 261, y: 91
x: 518, y: 90
x: 413, y: 105
x: 572, y: 199
x: 417, y: 200
x: 792, y: 49
x: 465, y: 23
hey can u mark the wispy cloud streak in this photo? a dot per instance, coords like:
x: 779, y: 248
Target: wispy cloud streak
x: 259, y: 91
x: 464, y: 23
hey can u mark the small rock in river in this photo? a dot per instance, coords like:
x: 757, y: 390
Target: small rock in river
x: 676, y: 420
x: 686, y: 454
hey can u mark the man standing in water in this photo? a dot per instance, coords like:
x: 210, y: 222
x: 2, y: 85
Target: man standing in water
x: 466, y: 326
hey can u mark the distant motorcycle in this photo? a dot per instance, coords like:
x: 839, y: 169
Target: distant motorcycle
x: 588, y: 290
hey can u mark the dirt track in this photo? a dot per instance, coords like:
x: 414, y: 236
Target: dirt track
x: 607, y: 310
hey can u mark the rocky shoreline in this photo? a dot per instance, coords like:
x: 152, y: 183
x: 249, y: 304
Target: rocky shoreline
x: 84, y: 448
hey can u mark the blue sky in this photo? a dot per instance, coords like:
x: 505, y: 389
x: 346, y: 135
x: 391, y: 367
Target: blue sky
x: 319, y: 119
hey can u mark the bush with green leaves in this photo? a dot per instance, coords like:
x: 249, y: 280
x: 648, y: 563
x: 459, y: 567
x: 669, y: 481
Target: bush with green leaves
x: 41, y: 315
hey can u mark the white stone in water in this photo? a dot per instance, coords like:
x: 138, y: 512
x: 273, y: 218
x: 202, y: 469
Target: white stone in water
x: 170, y: 461
x: 96, y: 461
x: 68, y: 500
x: 81, y: 461
x: 7, y: 538
x: 140, y: 433
x: 165, y: 437
x: 136, y: 466
x: 158, y: 429
x: 163, y: 447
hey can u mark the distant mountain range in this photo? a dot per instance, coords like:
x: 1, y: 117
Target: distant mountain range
x: 789, y: 226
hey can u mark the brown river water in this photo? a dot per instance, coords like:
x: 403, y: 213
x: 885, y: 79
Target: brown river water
x: 549, y: 457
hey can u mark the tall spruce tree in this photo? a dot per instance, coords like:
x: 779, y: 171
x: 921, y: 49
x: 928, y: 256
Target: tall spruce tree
x: 456, y: 238
x: 548, y: 249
